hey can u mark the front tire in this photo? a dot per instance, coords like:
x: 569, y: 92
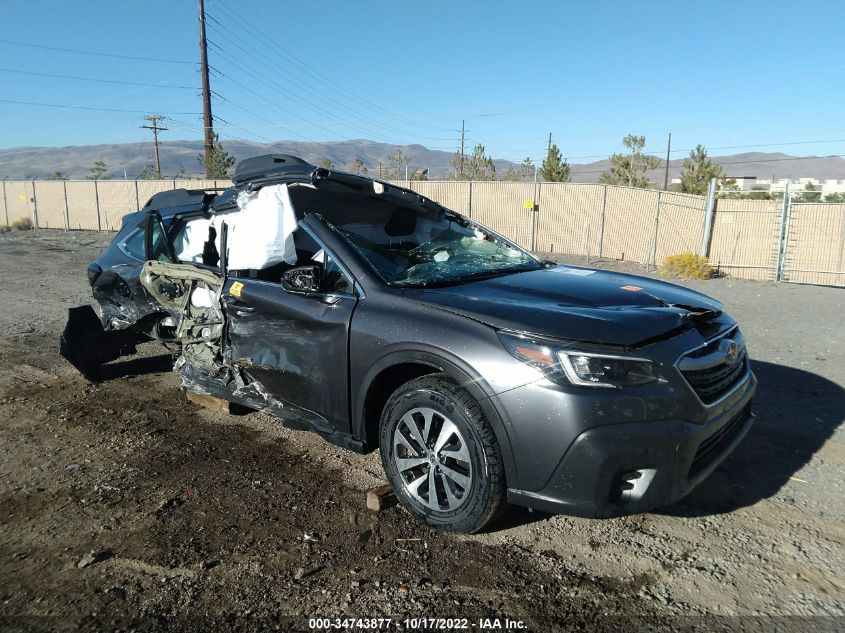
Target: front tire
x: 441, y: 456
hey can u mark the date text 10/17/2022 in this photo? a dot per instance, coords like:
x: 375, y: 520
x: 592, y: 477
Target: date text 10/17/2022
x: 417, y: 624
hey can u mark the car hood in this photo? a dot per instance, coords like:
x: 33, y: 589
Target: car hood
x: 574, y: 303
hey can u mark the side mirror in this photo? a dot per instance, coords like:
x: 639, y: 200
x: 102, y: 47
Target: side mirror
x: 305, y: 279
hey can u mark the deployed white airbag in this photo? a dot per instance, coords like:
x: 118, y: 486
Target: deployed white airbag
x: 261, y: 233
x: 189, y: 248
x: 203, y: 298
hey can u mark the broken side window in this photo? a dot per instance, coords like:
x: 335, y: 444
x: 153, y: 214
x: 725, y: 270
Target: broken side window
x: 308, y: 253
x: 134, y: 245
x: 159, y: 248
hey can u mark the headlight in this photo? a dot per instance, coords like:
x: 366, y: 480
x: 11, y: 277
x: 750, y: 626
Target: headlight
x: 603, y: 370
x: 583, y: 368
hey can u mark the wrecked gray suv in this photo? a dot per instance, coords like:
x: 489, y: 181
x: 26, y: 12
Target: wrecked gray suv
x: 381, y: 320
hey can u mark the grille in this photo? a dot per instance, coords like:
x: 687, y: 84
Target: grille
x: 711, y: 447
x: 712, y: 383
x: 708, y: 370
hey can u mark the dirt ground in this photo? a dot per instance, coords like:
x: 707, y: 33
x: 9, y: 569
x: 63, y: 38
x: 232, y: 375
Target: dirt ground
x: 124, y: 506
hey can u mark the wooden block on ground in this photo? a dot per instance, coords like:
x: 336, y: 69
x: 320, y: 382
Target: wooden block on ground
x: 381, y: 498
x: 209, y: 402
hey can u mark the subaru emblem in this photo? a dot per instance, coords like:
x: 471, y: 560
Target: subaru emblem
x: 732, y: 352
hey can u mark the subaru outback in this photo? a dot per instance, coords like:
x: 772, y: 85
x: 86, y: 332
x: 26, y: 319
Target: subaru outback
x: 380, y: 319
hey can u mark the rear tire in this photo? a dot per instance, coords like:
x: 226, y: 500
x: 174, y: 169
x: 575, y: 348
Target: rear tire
x: 441, y: 455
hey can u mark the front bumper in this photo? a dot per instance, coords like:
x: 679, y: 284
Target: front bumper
x: 631, y: 467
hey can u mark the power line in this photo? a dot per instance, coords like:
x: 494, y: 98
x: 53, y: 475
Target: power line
x: 80, y: 107
x: 272, y: 84
x: 838, y: 140
x: 95, y: 79
x: 98, y: 54
x: 269, y: 82
x: 313, y: 72
x: 315, y: 95
x: 183, y: 125
x: 246, y: 131
x: 256, y: 115
x: 223, y: 137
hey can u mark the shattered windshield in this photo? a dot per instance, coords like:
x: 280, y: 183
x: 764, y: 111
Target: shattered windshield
x: 427, y: 247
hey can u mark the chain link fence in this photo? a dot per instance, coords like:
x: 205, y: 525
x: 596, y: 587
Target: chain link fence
x: 777, y: 240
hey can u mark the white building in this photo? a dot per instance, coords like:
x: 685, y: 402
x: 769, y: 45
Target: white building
x: 752, y: 183
x: 825, y: 186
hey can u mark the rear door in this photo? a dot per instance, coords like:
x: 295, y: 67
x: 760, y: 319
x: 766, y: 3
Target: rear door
x: 117, y: 289
x: 294, y: 344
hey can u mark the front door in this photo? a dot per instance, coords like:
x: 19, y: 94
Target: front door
x: 294, y: 344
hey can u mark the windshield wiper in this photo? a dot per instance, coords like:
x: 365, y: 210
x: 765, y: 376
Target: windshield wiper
x: 476, y: 276
x: 452, y: 216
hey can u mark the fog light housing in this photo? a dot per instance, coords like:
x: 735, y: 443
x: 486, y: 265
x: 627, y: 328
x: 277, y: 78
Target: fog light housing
x: 631, y: 485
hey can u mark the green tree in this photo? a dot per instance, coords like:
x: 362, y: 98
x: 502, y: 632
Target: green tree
x: 758, y: 192
x: 98, y: 171
x: 554, y: 167
x: 327, y: 164
x: 457, y: 162
x: 630, y: 169
x: 838, y: 196
x: 357, y: 167
x: 698, y: 170
x: 810, y: 194
x: 148, y: 173
x: 396, y: 163
x: 57, y: 175
x: 475, y: 166
x: 182, y: 174
x: 478, y: 165
x: 526, y: 169
x: 219, y: 162
x: 525, y: 173
x: 512, y: 175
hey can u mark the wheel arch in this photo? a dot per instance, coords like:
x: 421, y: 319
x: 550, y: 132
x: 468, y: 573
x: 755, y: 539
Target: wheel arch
x: 398, y: 367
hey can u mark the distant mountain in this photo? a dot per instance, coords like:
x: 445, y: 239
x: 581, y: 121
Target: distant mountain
x: 756, y: 164
x: 41, y: 162
x: 26, y: 163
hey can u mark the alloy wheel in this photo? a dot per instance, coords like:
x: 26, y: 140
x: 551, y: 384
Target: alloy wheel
x: 432, y: 458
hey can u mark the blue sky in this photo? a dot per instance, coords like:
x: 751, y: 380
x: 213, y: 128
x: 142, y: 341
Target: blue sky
x: 720, y: 73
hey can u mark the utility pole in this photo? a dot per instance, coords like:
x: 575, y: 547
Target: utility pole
x: 668, y: 151
x: 206, y: 95
x: 461, y: 163
x: 154, y: 119
x: 379, y: 170
x: 549, y: 148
